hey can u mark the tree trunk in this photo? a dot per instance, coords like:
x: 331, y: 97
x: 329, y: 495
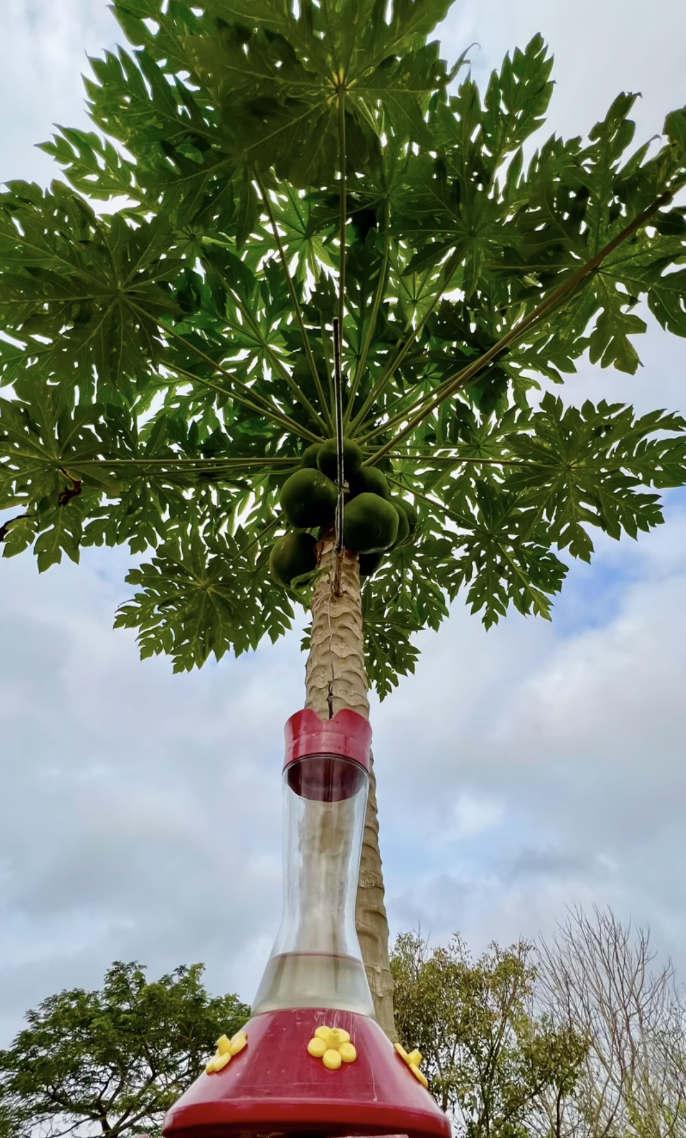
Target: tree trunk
x: 336, y: 678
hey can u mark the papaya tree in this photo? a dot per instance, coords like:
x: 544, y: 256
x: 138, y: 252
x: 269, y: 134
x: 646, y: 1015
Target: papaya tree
x: 306, y: 356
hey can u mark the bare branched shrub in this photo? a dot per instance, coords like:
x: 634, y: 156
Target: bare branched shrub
x: 598, y: 978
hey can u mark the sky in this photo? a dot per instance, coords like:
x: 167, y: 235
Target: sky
x: 521, y: 771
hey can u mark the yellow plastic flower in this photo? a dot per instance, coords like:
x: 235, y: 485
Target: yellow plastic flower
x: 226, y: 1049
x: 332, y: 1045
x: 413, y: 1060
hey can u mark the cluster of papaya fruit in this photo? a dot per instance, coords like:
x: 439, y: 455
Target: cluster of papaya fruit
x: 373, y: 521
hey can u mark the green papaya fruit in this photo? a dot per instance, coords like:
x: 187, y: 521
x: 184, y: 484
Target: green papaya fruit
x: 403, y: 522
x: 370, y: 562
x: 385, y: 464
x: 293, y: 555
x: 410, y: 511
x: 369, y: 480
x: 352, y: 459
x: 308, y: 499
x: 310, y: 455
x: 370, y: 523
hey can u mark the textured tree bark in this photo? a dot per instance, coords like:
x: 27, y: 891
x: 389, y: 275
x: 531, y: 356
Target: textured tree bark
x: 335, y: 673
x: 372, y: 921
x: 336, y: 678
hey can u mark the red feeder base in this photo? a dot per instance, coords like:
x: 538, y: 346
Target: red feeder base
x: 275, y: 1087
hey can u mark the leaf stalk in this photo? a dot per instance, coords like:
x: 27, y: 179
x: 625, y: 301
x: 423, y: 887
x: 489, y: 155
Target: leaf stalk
x: 559, y: 296
x: 328, y: 425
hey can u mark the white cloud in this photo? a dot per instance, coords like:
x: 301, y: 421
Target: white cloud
x: 140, y: 812
x: 43, y: 54
x: 601, y: 47
x: 580, y: 736
x: 471, y: 815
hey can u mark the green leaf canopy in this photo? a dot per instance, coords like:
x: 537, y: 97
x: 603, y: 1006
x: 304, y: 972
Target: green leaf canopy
x: 114, y: 1059
x: 270, y: 166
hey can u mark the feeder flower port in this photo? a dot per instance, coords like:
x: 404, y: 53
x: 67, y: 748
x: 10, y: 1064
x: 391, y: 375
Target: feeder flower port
x: 332, y: 1045
x: 226, y: 1049
x: 413, y: 1060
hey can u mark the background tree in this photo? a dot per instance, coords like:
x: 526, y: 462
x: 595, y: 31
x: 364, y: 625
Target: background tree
x: 597, y: 979
x: 114, y: 1059
x: 491, y: 1062
x: 9, y: 1125
x: 284, y: 179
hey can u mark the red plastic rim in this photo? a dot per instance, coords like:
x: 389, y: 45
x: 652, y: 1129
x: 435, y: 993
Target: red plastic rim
x: 348, y: 734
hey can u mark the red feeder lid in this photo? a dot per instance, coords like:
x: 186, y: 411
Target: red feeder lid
x: 348, y: 734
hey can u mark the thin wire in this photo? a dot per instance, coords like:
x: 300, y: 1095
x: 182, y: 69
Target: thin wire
x: 340, y: 469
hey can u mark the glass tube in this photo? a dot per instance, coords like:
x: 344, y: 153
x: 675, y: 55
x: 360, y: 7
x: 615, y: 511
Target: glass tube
x: 316, y: 959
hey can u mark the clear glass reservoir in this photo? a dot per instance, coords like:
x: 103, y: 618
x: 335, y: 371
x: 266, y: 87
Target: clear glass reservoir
x: 316, y: 959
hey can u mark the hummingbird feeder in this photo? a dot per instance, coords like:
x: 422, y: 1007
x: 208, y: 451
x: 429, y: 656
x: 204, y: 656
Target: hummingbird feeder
x: 312, y: 1060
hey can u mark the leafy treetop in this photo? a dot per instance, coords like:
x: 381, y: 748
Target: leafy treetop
x: 271, y: 166
x: 494, y: 1062
x: 116, y: 1058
